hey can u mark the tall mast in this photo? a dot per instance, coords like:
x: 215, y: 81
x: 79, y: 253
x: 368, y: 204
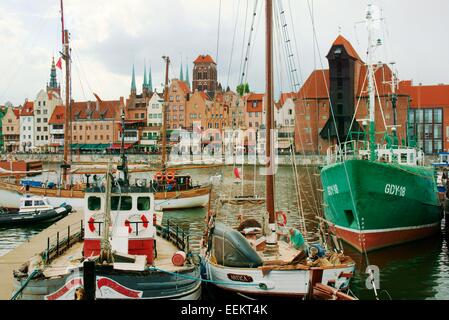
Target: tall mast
x: 371, y: 90
x: 68, y: 113
x: 164, y: 118
x: 270, y: 153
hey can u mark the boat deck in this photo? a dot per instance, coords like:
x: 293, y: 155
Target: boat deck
x: 73, y: 258
x: 15, y: 258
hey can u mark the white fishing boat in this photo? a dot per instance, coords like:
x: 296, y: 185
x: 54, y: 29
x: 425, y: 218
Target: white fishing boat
x: 122, y: 252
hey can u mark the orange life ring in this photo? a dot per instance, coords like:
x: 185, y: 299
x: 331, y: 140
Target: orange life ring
x: 170, y: 177
x: 145, y: 223
x: 159, y: 176
x: 281, y: 214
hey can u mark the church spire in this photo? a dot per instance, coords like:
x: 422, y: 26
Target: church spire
x: 181, y: 73
x: 53, y: 84
x: 133, y: 82
x: 145, y: 82
x: 150, y: 81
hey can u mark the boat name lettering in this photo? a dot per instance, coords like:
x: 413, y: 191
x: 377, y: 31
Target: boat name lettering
x: 240, y: 278
x: 395, y: 190
x: 333, y: 190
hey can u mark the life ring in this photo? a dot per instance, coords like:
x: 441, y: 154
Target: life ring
x: 283, y: 222
x: 170, y: 177
x: 144, y: 220
x: 159, y: 176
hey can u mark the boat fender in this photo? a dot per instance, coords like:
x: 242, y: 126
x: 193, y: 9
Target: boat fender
x: 283, y: 216
x: 179, y: 259
x: 266, y: 285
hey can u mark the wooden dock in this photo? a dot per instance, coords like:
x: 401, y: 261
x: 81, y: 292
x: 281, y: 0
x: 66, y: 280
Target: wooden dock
x: 17, y: 257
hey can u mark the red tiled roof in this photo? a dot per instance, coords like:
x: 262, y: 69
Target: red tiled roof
x: 341, y: 41
x: 28, y: 109
x: 382, y: 76
x: 184, y: 87
x: 284, y: 97
x: 316, y: 86
x: 16, y: 112
x: 204, y: 95
x: 426, y: 96
x: 58, y: 116
x: 254, y: 97
x: 109, y: 110
x: 204, y: 59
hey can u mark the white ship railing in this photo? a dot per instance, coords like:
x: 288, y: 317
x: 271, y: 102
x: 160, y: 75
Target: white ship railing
x: 360, y: 150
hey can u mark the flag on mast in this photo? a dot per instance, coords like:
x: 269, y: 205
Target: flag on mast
x: 59, y: 64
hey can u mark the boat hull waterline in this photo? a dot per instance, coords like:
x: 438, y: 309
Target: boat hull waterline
x: 372, y: 205
x: 282, y: 283
x: 114, y: 284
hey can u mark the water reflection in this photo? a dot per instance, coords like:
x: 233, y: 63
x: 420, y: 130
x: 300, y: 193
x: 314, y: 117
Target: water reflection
x: 418, y: 270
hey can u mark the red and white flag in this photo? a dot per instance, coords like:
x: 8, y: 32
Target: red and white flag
x: 59, y: 64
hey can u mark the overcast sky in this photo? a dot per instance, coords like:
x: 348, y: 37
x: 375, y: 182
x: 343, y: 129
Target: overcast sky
x: 109, y: 36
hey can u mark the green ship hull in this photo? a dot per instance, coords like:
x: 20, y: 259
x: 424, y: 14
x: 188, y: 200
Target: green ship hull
x: 373, y: 205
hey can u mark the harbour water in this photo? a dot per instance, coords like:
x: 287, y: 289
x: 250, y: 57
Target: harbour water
x: 418, y: 270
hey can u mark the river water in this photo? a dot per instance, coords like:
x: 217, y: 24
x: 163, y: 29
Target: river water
x: 419, y: 270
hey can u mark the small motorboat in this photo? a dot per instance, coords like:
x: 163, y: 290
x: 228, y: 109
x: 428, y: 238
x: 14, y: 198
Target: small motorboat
x: 33, y: 210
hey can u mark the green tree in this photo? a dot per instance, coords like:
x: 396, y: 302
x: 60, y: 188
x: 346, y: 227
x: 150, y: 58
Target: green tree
x: 243, y: 89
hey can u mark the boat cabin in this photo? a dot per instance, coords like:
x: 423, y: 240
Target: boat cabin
x: 29, y: 203
x: 359, y: 150
x: 133, y: 221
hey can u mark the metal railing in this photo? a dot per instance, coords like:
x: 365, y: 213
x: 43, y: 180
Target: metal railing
x: 62, y: 241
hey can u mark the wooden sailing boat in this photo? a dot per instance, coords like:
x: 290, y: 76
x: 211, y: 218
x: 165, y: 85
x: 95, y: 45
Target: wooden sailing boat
x: 171, y: 190
x: 256, y: 263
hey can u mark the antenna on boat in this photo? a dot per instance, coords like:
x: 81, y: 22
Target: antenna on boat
x: 371, y: 85
x: 124, y: 164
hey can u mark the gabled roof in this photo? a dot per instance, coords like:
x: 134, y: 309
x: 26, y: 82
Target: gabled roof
x: 184, y: 87
x: 58, y: 116
x: 255, y: 96
x: 106, y: 110
x: 16, y: 112
x: 204, y: 59
x: 284, y: 97
x: 383, y: 76
x: 28, y: 109
x: 341, y: 41
x: 316, y: 86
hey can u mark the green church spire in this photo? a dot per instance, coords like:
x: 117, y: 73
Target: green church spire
x: 53, y: 81
x: 145, y: 82
x: 181, y: 73
x: 133, y: 82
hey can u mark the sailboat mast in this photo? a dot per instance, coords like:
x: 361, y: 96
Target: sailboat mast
x: 270, y: 154
x: 164, y: 115
x: 66, y: 57
x: 371, y: 90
